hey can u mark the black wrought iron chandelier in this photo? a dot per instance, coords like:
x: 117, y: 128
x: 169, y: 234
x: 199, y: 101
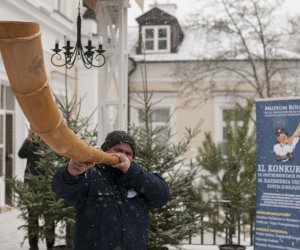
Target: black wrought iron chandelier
x: 90, y: 56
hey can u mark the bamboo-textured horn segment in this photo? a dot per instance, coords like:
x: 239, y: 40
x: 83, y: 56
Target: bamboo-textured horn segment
x: 22, y: 54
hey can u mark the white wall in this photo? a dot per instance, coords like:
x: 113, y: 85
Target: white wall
x: 87, y: 89
x: 31, y: 11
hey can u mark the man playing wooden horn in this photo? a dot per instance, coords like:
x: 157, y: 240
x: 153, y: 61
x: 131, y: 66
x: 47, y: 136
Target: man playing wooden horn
x: 112, y: 202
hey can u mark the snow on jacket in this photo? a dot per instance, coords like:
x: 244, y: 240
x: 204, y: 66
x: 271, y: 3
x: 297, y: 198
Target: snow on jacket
x: 112, y: 208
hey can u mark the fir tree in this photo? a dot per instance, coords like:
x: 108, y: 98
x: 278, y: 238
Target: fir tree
x: 180, y: 218
x: 37, y: 194
x: 231, y: 170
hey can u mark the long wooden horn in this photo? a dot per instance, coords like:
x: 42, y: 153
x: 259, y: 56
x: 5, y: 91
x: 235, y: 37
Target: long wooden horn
x: 22, y: 53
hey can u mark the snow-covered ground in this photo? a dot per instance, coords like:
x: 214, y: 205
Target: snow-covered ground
x: 11, y: 237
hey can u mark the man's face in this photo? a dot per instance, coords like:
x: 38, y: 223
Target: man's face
x: 123, y: 148
x: 282, y: 138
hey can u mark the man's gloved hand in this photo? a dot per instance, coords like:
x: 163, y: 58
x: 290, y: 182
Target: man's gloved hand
x: 76, y: 168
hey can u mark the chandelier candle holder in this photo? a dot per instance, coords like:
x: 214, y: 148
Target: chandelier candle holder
x: 90, y: 56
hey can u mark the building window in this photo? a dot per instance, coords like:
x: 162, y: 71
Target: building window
x: 7, y: 107
x: 156, y: 39
x: 225, y: 104
x: 230, y: 114
x: 64, y: 8
x: 160, y: 118
x: 7, y: 98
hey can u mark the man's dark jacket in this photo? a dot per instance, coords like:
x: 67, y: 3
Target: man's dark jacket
x: 112, y: 208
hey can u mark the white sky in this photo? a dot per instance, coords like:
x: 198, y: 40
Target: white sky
x: 184, y: 7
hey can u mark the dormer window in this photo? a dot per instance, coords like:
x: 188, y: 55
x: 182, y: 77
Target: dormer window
x: 156, y: 38
x: 159, y: 32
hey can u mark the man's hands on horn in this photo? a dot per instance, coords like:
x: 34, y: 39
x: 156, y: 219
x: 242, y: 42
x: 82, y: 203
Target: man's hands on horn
x: 76, y: 168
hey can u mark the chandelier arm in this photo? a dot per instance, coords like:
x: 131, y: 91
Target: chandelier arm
x: 96, y: 58
x: 60, y: 58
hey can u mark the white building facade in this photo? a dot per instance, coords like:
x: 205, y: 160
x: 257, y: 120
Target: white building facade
x: 57, y: 19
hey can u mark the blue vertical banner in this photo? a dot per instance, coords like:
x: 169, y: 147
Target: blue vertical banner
x: 277, y: 223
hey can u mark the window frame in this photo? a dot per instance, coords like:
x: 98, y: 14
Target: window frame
x: 156, y: 38
x: 161, y: 101
x: 157, y: 124
x: 64, y: 8
x: 221, y: 103
x: 230, y: 109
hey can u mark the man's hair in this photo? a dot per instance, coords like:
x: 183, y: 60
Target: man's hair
x: 279, y: 131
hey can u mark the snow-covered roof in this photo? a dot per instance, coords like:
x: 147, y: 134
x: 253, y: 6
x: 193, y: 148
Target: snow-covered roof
x: 202, y: 44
